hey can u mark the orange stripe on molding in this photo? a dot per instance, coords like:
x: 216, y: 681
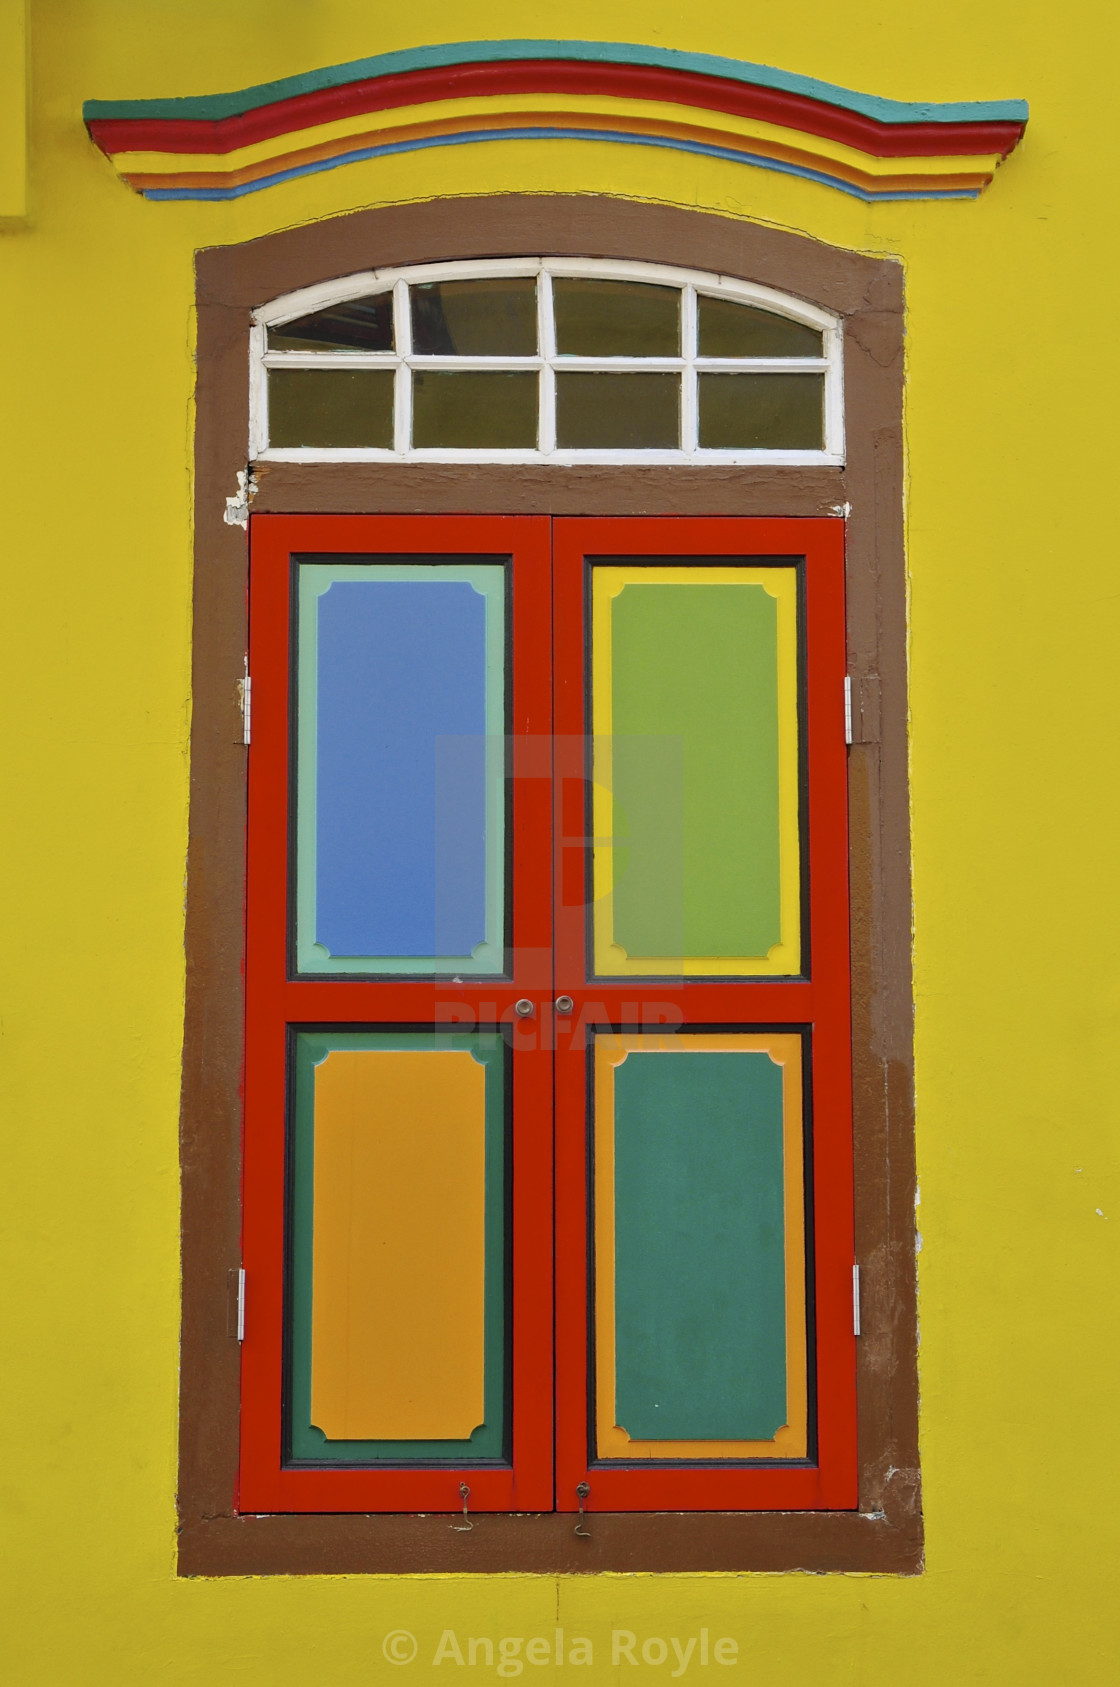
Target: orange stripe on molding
x: 611, y: 1441
x: 464, y: 123
x: 398, y: 1284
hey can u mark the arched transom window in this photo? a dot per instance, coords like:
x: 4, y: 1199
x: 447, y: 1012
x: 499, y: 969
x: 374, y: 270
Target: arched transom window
x: 545, y: 360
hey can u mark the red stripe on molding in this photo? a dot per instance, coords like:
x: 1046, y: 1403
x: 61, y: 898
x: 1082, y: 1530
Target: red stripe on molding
x: 384, y: 93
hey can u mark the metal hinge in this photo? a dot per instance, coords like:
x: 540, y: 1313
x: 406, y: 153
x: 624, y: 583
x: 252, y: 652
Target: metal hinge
x: 855, y: 1300
x: 862, y: 707
x: 241, y: 1304
x: 245, y: 697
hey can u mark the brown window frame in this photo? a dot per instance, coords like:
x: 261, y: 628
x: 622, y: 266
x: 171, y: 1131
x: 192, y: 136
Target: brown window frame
x: 885, y: 1533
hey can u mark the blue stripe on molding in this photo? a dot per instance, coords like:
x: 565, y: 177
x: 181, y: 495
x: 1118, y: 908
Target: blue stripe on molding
x: 240, y: 189
x: 213, y: 107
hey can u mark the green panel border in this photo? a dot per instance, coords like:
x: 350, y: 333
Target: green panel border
x: 304, y: 1443
x: 313, y: 579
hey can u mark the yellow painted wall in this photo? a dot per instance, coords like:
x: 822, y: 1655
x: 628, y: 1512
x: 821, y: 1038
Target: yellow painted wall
x: 1015, y: 599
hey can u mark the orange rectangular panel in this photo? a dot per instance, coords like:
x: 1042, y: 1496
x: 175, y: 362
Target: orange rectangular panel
x: 398, y: 1298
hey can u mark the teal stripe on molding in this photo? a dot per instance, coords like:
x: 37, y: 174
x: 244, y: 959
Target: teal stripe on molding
x: 212, y: 107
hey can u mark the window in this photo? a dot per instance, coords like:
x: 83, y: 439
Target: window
x: 287, y: 1463
x: 542, y: 361
x: 549, y: 998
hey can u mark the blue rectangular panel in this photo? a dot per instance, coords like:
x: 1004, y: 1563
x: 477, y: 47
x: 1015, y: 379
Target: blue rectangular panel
x: 400, y: 799
x: 401, y: 666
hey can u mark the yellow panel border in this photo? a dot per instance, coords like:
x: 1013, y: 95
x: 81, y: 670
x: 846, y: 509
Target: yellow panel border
x: 784, y: 958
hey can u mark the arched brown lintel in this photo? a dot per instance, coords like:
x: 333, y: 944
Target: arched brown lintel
x: 885, y: 1535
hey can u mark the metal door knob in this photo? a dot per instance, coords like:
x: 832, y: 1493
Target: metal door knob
x: 564, y: 1004
x: 524, y: 1007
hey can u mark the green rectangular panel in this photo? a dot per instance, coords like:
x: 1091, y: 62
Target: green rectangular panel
x: 700, y: 1342
x: 694, y: 709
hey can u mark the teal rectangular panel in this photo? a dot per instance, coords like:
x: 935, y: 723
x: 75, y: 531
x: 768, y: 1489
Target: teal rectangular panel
x: 700, y: 1343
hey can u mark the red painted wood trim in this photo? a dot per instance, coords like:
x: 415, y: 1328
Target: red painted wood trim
x: 823, y: 1002
x: 274, y: 1002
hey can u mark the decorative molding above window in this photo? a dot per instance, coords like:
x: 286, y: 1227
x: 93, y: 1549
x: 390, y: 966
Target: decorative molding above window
x: 545, y: 360
x: 222, y: 146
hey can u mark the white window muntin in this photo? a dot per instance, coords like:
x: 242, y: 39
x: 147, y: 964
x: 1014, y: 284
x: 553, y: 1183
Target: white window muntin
x: 403, y: 360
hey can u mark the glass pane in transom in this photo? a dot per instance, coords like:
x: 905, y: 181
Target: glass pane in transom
x: 495, y: 316
x: 354, y: 325
x: 761, y: 412
x: 475, y: 409
x: 615, y: 318
x: 728, y: 329
x: 331, y: 409
x: 617, y: 412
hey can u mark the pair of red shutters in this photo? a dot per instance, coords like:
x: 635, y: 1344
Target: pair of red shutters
x: 552, y: 1343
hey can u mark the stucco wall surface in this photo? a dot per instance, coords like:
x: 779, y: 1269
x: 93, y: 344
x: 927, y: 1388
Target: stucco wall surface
x: 1012, y: 376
